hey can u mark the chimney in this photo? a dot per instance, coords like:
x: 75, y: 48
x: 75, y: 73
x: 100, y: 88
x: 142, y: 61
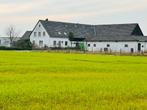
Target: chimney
x: 46, y: 19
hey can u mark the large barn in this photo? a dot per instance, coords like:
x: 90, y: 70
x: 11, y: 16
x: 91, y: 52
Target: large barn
x: 103, y: 38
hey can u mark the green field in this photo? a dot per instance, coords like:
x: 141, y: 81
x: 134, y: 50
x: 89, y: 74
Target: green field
x: 59, y: 81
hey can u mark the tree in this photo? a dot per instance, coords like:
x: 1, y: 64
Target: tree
x: 70, y: 37
x: 12, y: 34
x: 24, y: 44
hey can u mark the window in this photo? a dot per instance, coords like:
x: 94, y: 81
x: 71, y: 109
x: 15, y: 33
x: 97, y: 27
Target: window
x: 39, y: 25
x: 7, y: 42
x: 88, y: 45
x: 35, y: 34
x: 54, y: 43
x: 0, y: 42
x: 94, y: 45
x: 126, y: 45
x: 66, y: 43
x: 59, y: 43
x: 44, y: 33
x: 41, y: 43
x: 105, y: 49
x: 65, y: 33
x: 108, y: 45
x: 59, y: 33
x: 39, y: 34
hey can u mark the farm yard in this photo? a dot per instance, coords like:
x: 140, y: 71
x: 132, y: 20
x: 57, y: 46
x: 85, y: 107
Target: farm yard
x: 60, y: 81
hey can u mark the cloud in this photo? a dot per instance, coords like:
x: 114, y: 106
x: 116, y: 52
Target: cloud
x: 23, y: 12
x: 20, y: 7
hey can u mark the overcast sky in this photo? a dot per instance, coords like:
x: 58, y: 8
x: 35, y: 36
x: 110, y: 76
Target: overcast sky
x: 24, y: 14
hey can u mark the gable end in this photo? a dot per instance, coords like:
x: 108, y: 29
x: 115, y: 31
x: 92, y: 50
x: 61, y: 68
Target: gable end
x: 137, y: 31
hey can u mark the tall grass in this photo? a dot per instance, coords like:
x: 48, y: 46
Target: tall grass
x: 53, y: 81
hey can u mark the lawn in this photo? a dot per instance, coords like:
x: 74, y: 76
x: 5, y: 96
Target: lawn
x: 59, y: 81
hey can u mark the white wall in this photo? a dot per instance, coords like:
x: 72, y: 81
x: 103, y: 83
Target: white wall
x: 4, y: 41
x: 62, y: 40
x: 39, y: 28
x: 47, y: 40
x: 116, y: 46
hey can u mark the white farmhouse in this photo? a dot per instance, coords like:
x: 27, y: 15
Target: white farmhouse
x: 96, y: 38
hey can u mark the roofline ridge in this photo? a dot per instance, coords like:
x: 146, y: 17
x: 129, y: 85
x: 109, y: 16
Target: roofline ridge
x: 90, y: 24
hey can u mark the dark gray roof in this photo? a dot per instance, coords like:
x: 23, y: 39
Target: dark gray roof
x: 79, y: 30
x: 111, y: 32
x: 115, y: 29
x: 118, y: 38
x: 26, y: 35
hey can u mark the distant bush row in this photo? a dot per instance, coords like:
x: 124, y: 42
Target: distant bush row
x: 12, y: 48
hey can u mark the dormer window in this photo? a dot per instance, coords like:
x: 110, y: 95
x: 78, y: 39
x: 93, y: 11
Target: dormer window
x: 59, y: 33
x: 65, y: 33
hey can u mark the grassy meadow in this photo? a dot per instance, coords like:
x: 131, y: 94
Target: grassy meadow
x: 59, y: 81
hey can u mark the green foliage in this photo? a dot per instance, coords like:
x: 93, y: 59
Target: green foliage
x: 82, y: 46
x: 52, y: 81
x: 9, y: 48
x: 23, y: 44
x: 71, y: 36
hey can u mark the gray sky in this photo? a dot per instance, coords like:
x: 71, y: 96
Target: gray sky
x: 24, y: 14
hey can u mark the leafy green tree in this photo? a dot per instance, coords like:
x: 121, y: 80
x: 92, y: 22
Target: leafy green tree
x: 70, y: 37
x: 24, y: 44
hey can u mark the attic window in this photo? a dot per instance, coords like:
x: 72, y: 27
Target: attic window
x: 39, y: 25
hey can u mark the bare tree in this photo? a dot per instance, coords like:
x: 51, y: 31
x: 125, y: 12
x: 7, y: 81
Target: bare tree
x: 12, y: 34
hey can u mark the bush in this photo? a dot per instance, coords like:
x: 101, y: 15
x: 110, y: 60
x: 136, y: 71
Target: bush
x: 23, y: 44
x: 9, y: 48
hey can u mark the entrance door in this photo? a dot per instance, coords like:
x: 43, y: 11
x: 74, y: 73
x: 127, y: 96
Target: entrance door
x: 139, y: 47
